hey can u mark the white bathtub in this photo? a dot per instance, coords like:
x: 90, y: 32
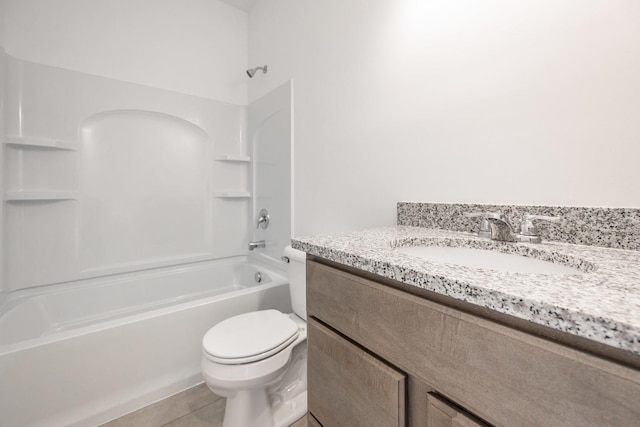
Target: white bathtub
x: 82, y: 354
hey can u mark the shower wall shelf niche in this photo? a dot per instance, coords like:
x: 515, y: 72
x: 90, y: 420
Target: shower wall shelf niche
x: 233, y: 158
x: 237, y: 159
x: 232, y: 194
x: 25, y: 141
x: 25, y: 196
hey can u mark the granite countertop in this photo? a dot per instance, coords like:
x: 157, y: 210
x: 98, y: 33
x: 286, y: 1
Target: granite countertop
x: 601, y: 303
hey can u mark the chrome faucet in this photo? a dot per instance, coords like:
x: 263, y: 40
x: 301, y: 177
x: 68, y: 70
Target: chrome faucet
x: 257, y: 244
x: 485, y: 229
x: 496, y: 226
x: 501, y: 228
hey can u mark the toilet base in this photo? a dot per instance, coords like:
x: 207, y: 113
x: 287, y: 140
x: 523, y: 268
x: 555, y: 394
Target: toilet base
x: 285, y: 414
x: 248, y: 408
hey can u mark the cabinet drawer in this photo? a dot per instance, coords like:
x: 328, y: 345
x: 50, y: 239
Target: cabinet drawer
x: 503, y: 375
x: 348, y: 386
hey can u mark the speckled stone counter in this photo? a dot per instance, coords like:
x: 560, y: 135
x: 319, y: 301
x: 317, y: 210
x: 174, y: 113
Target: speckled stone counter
x: 609, y: 227
x: 601, y: 303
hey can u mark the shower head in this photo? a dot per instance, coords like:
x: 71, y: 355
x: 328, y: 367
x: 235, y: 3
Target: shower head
x: 252, y: 71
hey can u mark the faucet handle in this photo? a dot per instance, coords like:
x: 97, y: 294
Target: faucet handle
x: 527, y: 226
x: 263, y: 219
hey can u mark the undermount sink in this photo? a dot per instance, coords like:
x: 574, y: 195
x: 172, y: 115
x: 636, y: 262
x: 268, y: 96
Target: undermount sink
x: 487, y: 259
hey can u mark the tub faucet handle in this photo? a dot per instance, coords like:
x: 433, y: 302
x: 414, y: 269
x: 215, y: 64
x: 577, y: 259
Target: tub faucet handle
x: 263, y: 219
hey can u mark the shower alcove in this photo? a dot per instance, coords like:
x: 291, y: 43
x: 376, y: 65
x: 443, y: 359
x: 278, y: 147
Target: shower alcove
x: 126, y: 217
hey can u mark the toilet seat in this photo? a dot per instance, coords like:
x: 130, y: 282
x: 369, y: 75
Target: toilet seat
x: 249, y: 337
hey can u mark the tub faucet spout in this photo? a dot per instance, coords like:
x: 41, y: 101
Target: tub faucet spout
x: 257, y: 244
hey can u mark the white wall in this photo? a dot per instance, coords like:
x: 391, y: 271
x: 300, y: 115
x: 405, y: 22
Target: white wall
x: 2, y: 19
x: 520, y: 102
x: 2, y: 124
x: 196, y: 47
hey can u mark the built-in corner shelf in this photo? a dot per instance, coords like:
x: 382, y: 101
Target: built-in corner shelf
x: 25, y: 196
x: 233, y: 158
x: 232, y: 194
x: 53, y: 144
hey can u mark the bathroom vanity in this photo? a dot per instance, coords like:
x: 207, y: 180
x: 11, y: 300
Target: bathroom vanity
x: 396, y: 340
x: 380, y: 355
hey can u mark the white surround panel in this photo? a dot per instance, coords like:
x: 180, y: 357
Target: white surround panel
x: 104, y: 176
x: 144, y: 190
x: 270, y: 133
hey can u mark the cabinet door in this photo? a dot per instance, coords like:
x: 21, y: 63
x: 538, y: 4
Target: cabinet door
x: 350, y: 387
x: 442, y: 414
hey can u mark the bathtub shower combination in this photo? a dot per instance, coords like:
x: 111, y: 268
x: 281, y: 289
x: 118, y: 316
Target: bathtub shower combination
x: 127, y: 215
x: 104, y: 347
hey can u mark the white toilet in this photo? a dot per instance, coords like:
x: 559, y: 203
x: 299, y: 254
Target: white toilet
x: 258, y: 360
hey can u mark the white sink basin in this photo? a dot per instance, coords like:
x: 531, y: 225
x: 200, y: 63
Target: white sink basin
x: 492, y: 260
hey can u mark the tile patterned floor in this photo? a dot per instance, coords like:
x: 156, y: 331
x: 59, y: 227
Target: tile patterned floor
x: 195, y: 407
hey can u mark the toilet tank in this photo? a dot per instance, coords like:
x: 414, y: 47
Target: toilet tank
x: 297, y: 280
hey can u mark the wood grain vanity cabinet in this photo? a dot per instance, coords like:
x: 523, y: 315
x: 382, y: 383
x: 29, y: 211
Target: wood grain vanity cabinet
x: 442, y: 414
x: 380, y: 355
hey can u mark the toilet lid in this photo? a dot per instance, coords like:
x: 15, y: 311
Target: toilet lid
x: 249, y: 337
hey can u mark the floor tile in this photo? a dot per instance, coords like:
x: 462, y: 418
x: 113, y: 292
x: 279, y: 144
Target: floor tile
x: 208, y: 416
x: 195, y: 407
x: 302, y: 422
x: 167, y: 410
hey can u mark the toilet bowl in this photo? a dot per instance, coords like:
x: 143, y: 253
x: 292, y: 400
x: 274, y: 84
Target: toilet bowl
x: 258, y: 360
